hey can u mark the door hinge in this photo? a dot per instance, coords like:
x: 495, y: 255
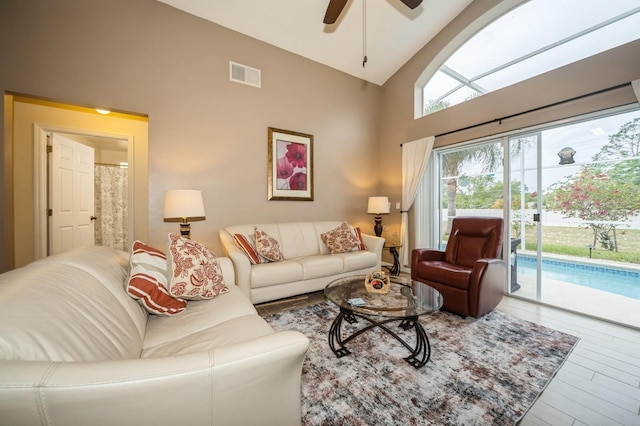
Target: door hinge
x: 49, y: 149
x: 49, y: 212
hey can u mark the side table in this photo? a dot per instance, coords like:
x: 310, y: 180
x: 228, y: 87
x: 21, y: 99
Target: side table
x: 393, y: 249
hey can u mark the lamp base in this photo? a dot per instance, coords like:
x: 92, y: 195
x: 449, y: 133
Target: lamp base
x: 185, y: 230
x: 377, y: 228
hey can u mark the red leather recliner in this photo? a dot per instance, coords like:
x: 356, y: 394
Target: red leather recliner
x: 470, y: 273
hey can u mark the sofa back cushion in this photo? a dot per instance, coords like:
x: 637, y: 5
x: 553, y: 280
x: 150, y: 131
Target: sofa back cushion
x: 70, y: 307
x: 299, y: 239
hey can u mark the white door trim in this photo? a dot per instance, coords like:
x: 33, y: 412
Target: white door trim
x: 40, y: 228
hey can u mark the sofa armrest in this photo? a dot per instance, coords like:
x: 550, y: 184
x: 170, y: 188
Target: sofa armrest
x: 228, y: 272
x: 241, y: 264
x: 254, y: 382
x: 374, y: 244
x: 263, y: 374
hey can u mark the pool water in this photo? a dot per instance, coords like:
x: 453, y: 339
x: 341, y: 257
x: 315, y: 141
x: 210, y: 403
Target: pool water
x: 617, y: 281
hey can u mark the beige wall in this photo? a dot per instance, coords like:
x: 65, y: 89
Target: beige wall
x: 210, y: 134
x: 205, y: 132
x: 26, y: 113
x: 608, y: 69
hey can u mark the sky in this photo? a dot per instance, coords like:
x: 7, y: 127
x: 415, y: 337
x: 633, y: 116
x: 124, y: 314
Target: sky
x: 533, y: 26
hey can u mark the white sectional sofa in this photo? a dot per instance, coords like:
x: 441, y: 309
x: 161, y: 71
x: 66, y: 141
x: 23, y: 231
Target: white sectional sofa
x: 75, y: 349
x: 307, y: 266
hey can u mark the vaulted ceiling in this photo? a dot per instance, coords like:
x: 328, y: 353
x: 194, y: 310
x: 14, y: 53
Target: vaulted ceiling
x: 386, y: 31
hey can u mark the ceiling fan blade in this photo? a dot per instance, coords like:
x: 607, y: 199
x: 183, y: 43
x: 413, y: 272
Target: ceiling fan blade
x: 411, y: 4
x: 334, y: 10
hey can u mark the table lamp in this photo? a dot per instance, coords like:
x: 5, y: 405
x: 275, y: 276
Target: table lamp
x: 378, y: 206
x: 182, y: 205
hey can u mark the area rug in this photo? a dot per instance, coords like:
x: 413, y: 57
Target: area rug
x: 487, y: 371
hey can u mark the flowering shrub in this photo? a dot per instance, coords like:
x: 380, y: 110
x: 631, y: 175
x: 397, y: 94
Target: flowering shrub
x: 598, y: 200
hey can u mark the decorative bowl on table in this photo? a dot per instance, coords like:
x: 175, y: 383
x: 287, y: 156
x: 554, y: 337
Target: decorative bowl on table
x: 377, y: 282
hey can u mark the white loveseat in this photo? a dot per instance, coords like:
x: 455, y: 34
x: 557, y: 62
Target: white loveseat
x: 307, y: 266
x: 75, y: 349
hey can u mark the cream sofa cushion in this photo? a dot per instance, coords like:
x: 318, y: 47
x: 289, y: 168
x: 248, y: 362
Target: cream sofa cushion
x: 357, y: 260
x: 94, y: 321
x: 198, y: 316
x: 320, y: 266
x: 268, y: 274
x: 298, y: 239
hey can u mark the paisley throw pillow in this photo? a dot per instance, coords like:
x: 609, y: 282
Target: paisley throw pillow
x: 267, y: 246
x: 194, y: 272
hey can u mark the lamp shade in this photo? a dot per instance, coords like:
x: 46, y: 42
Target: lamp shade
x: 183, y: 204
x: 378, y: 205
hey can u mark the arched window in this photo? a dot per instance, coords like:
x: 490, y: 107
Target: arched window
x: 536, y: 37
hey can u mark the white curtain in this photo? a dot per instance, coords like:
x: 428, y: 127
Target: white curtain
x: 111, y: 206
x: 636, y: 88
x: 414, y: 162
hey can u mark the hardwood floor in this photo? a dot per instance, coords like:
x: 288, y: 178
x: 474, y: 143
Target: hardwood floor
x: 599, y: 384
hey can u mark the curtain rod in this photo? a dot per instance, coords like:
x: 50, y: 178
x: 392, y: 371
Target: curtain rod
x: 506, y: 117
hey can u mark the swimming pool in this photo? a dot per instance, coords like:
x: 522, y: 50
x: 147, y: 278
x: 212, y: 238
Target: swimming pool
x: 617, y: 281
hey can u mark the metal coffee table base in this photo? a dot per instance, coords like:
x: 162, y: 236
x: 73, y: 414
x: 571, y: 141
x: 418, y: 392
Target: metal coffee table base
x: 420, y: 354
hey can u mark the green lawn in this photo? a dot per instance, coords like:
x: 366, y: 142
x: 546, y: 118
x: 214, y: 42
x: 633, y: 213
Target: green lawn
x: 574, y: 242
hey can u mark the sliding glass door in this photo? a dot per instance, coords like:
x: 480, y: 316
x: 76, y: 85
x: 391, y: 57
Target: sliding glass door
x: 571, y: 209
x: 471, y: 184
x: 525, y: 232
x: 575, y: 224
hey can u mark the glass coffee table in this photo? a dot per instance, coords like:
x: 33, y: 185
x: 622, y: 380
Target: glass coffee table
x: 405, y: 302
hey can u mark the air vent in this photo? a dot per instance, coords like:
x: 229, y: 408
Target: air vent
x: 244, y: 74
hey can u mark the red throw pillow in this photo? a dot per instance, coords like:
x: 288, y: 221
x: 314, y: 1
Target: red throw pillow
x: 148, y: 281
x: 359, y: 234
x: 248, y: 248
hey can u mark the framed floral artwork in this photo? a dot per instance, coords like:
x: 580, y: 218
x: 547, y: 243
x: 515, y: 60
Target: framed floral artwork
x: 290, y: 169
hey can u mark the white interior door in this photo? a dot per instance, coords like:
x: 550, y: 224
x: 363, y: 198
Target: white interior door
x: 71, y: 195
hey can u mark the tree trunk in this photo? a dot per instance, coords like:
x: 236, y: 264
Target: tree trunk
x: 451, y: 201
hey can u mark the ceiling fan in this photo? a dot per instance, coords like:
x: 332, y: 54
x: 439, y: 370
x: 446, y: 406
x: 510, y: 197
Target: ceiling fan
x: 335, y: 9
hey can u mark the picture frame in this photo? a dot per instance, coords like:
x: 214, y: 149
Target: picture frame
x: 290, y: 165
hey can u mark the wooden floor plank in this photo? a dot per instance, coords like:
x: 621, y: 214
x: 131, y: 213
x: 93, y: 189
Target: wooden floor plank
x: 617, y: 398
x: 543, y: 414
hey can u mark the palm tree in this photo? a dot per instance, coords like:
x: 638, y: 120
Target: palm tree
x: 489, y: 155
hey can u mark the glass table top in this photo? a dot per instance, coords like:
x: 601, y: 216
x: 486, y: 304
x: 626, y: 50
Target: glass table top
x: 406, y: 298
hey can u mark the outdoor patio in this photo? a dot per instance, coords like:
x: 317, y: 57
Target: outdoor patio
x: 589, y: 301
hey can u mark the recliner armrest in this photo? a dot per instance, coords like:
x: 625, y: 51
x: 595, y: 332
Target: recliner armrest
x: 419, y: 255
x: 487, y: 285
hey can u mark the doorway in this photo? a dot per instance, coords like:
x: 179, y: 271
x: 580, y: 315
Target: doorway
x: 96, y: 211
x: 26, y: 171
